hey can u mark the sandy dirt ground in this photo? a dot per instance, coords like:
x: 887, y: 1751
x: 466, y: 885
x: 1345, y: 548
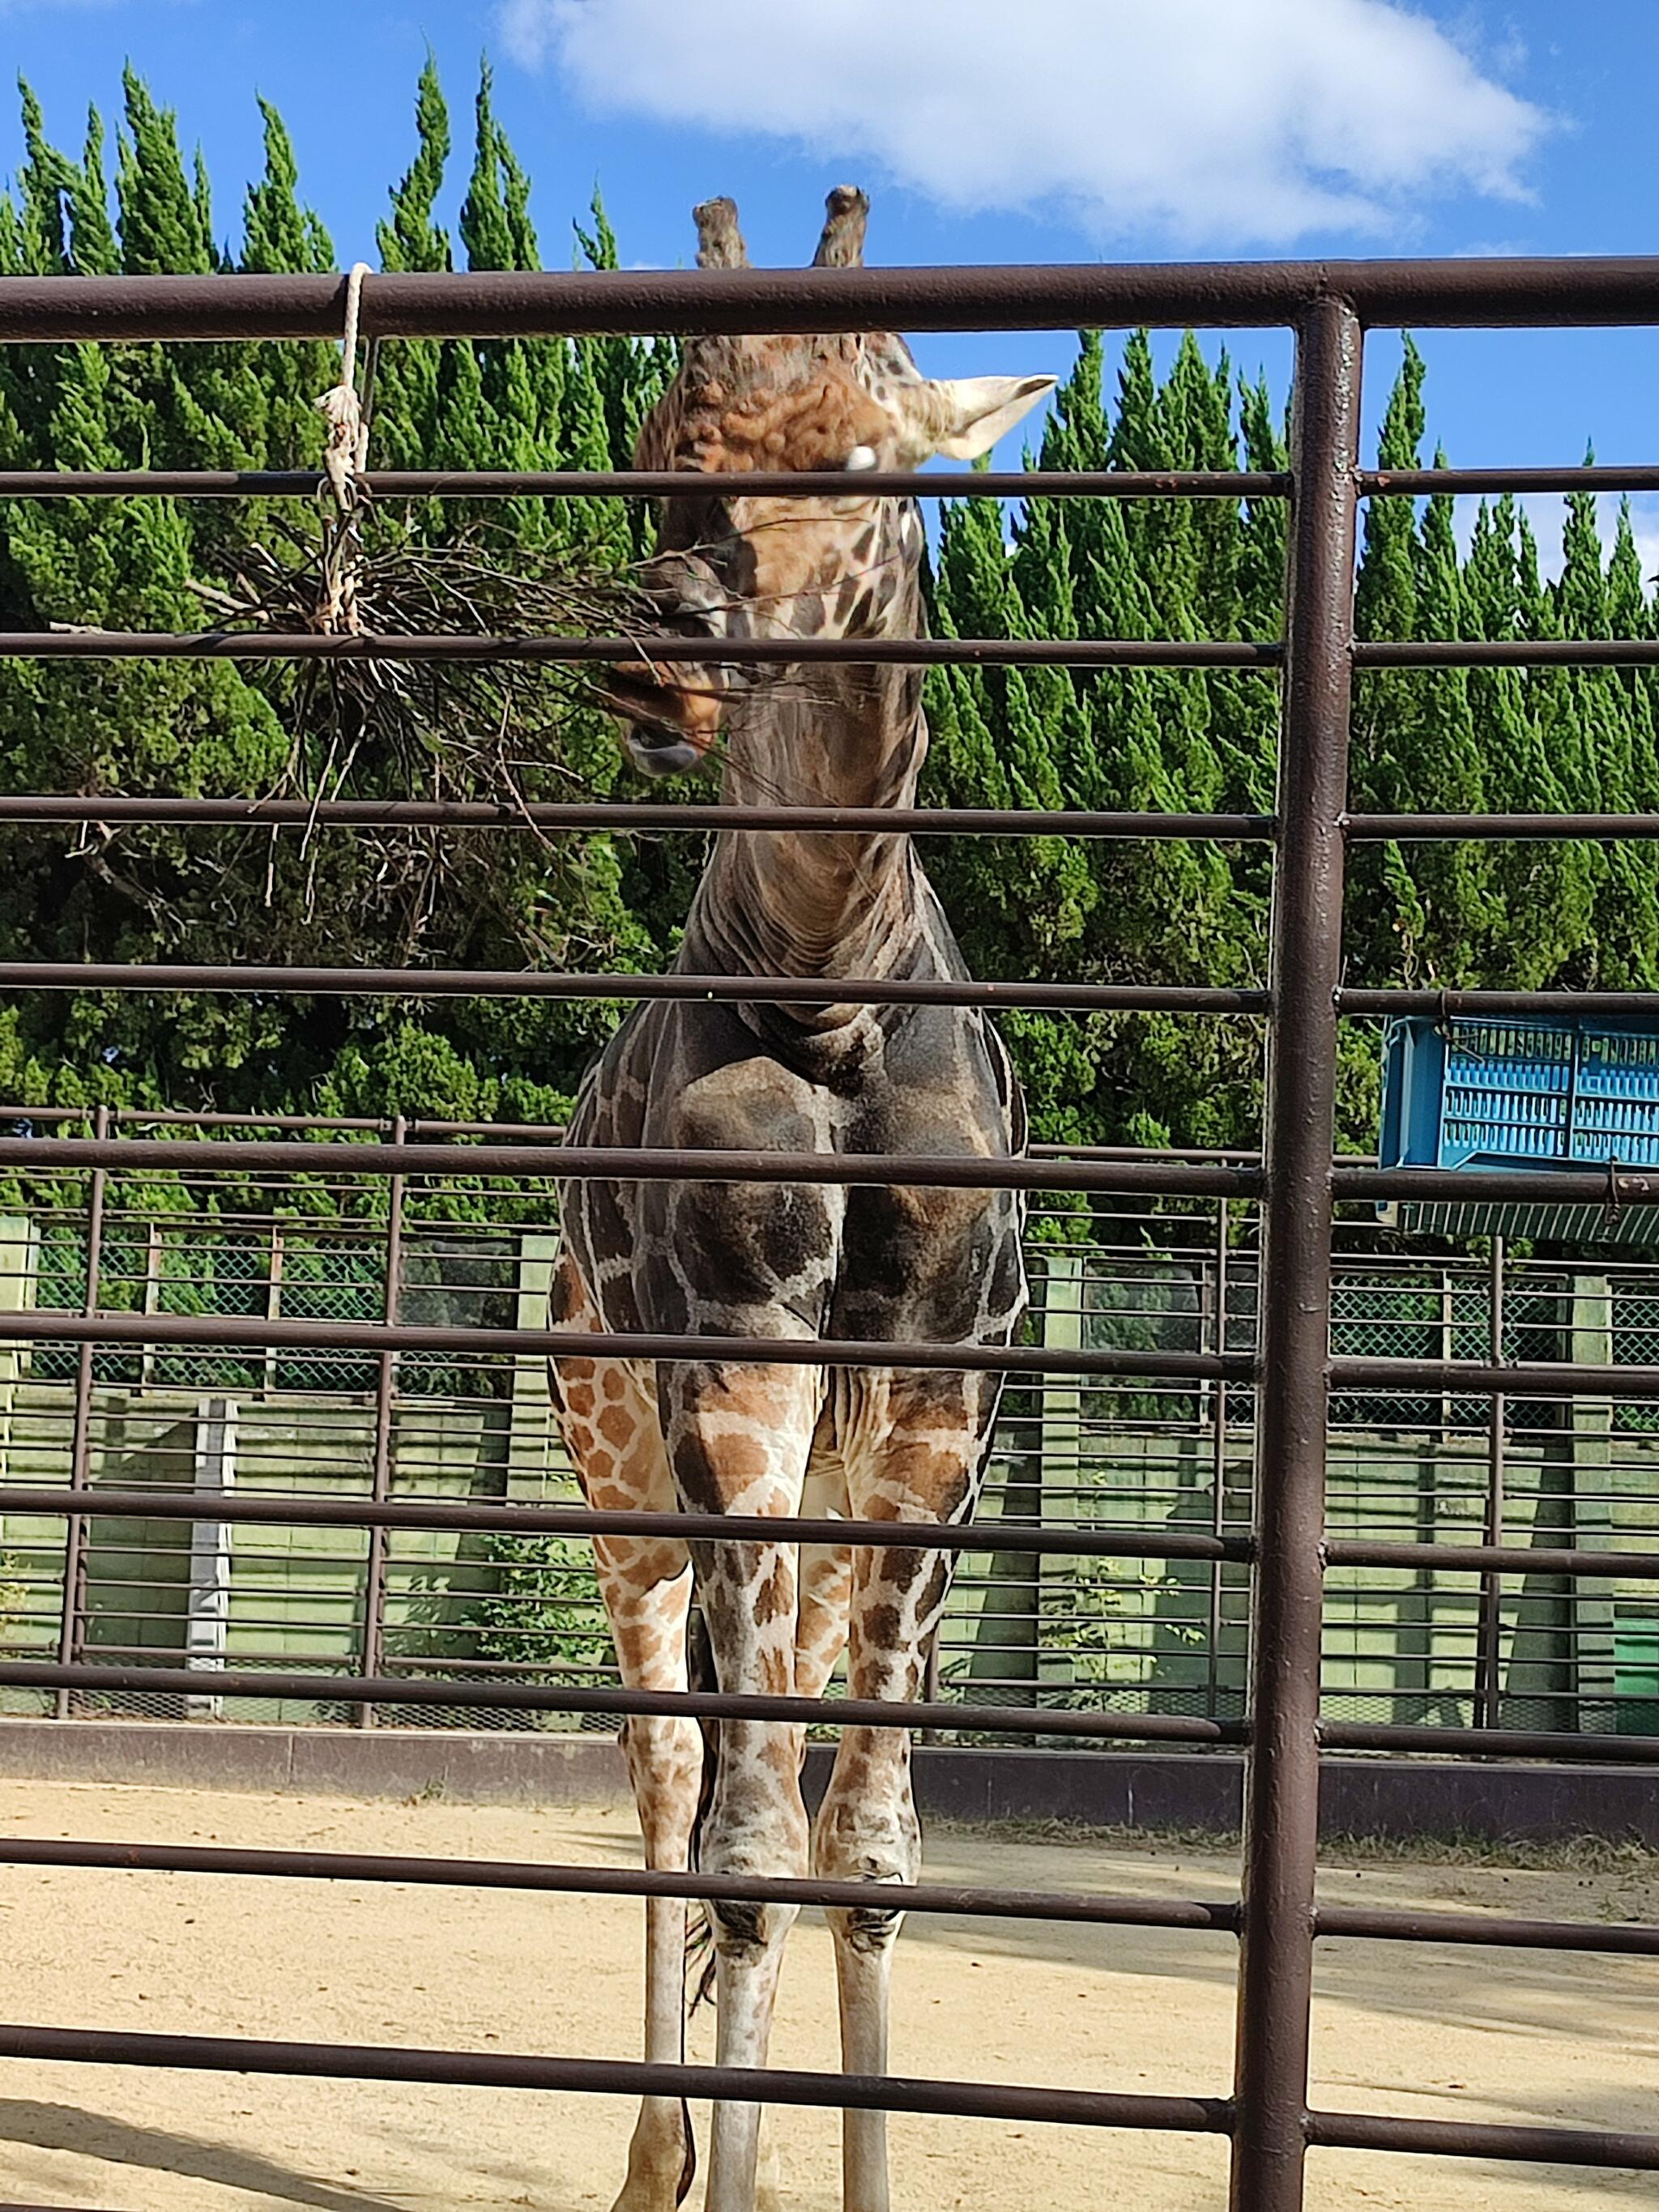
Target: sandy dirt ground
x: 1500, y: 2035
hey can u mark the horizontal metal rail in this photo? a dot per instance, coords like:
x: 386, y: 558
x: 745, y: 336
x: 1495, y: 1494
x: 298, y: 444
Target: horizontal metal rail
x: 1607, y: 1185
x: 1071, y: 1908
x: 1493, y: 1743
x: 1531, y: 1379
x: 642, y: 819
x: 1418, y: 483
x: 804, y: 483
x: 1446, y: 1005
x: 1496, y: 294
x: 652, y: 649
x: 1408, y: 829
x: 888, y: 2092
x: 280, y: 1509
x: 1055, y: 1169
x: 1438, y: 2138
x: 590, y: 1163
x: 647, y: 817
x: 1068, y: 1539
x: 1368, y: 1923
x: 648, y: 649
x: 1508, y: 652
x: 610, y: 1700
x: 731, y: 990
x: 659, y: 483
x: 954, y: 1900
x: 229, y: 1332
x: 1481, y: 1559
x: 613, y: 2077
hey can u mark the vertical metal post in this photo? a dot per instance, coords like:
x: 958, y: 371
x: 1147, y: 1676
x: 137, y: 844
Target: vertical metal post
x: 1488, y: 1657
x: 152, y: 1297
x: 73, y: 1616
x: 1294, y: 1373
x: 385, y: 1395
x: 273, y: 1305
x: 1218, y: 1464
x: 207, y: 1615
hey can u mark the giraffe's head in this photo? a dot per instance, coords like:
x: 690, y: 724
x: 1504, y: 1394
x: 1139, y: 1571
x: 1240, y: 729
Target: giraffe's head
x: 731, y: 566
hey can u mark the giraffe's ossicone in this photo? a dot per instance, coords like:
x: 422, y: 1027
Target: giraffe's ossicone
x: 803, y: 1262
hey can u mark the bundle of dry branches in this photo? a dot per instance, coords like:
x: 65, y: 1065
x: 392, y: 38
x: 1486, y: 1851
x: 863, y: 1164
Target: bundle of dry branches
x: 495, y: 731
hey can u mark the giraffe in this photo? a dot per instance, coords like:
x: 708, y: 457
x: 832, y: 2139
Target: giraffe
x: 798, y: 1263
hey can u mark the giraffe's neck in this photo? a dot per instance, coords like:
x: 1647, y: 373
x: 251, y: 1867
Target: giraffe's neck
x: 782, y: 903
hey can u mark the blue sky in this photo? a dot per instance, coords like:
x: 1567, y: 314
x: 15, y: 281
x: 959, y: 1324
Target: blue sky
x: 1048, y: 130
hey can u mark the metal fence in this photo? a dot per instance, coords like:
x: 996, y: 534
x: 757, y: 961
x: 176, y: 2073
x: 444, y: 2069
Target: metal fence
x: 1287, y: 1551
x: 1143, y: 1635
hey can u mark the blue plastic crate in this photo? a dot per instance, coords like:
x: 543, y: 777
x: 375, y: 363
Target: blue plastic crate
x: 1477, y: 1094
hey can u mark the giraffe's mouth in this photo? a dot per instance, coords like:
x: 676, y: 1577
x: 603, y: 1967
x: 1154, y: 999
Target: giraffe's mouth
x: 659, y: 752
x: 656, y: 742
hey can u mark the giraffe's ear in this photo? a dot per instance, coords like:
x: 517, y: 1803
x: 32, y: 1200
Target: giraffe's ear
x: 975, y: 411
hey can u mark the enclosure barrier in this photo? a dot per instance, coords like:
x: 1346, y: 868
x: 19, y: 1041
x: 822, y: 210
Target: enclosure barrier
x: 1327, y: 306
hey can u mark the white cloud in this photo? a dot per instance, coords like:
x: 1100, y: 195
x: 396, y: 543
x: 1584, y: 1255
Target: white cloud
x: 1547, y: 513
x: 1205, y: 123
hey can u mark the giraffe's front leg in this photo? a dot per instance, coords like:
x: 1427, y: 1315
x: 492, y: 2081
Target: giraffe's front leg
x: 648, y: 1601
x: 925, y: 1467
x: 739, y: 1440
x: 610, y: 1424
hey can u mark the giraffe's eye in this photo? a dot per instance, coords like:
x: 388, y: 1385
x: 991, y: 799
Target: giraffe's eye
x: 861, y: 457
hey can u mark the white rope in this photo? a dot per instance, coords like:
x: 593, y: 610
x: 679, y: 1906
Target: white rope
x: 345, y: 456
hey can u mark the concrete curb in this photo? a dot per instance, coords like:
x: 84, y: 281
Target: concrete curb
x: 1378, y: 1797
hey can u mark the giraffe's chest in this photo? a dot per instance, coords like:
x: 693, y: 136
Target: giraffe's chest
x: 876, y: 1262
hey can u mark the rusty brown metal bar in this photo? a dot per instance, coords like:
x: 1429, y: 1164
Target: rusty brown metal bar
x: 73, y: 1613
x: 1495, y: 1743
x: 613, y: 2077
x: 662, y: 483
x: 237, y: 1331
x: 611, y: 1699
x: 1446, y: 1004
x: 1367, y: 1924
x: 641, y: 817
x: 731, y: 990
x: 647, y: 648
x: 1604, y: 1184
x: 1407, y: 829
x: 1438, y: 2138
x: 581, y: 1164
x: 1281, y: 1785
x: 652, y: 649
x: 952, y: 1900
x: 1418, y: 483
x: 1491, y: 1559
x: 805, y: 483
x: 1049, y: 1167
x: 1477, y: 1377
x: 298, y: 1510
x: 1493, y: 294
x: 1508, y: 652
x: 949, y: 1900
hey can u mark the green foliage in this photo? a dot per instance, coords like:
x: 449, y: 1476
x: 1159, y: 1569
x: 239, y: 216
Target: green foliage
x: 1529, y: 914
x: 213, y: 729
x: 543, y: 1608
